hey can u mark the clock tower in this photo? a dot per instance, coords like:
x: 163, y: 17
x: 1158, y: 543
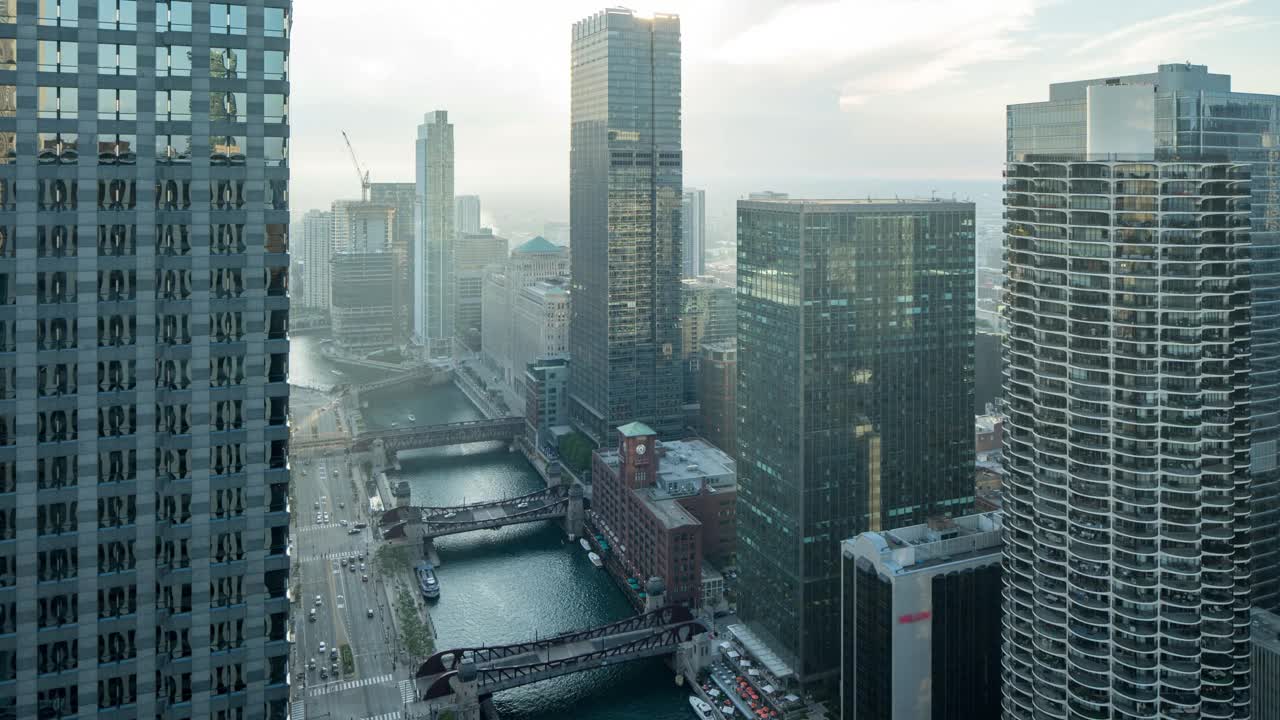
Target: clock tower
x: 637, y: 455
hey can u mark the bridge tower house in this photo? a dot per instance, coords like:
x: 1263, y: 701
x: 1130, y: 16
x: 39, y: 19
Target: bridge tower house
x: 575, y: 515
x: 655, y: 594
x: 466, y: 694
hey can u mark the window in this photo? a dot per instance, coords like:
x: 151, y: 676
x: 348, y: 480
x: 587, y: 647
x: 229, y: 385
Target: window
x: 118, y: 14
x: 174, y: 59
x: 60, y: 148
x: 275, y: 151
x: 57, y: 103
x: 173, y: 105
x: 114, y: 149
x: 275, y: 65
x: 228, y: 63
x: 275, y: 22
x: 275, y: 108
x: 171, y: 149
x: 227, y: 18
x: 227, y: 106
x: 63, y: 13
x: 8, y: 54
x: 8, y: 103
x: 176, y: 14
x: 117, y: 59
x: 117, y: 104
x: 57, y: 56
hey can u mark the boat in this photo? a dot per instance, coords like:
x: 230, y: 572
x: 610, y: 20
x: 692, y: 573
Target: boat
x: 701, y: 708
x: 413, y: 418
x: 595, y: 559
x: 336, y: 371
x: 585, y: 545
x: 427, y: 582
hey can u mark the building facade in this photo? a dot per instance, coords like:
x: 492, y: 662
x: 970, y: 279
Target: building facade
x: 467, y: 214
x: 708, y: 313
x: 144, y: 439
x: 316, y: 249
x: 546, y: 403
x: 363, y: 311
x: 361, y: 227
x: 540, y: 327
x: 693, y: 232
x: 1126, y: 389
x: 434, y: 235
x: 625, y: 186
x: 531, y: 262
x: 718, y: 394
x: 401, y: 196
x: 665, y: 507
x: 1264, y: 639
x: 855, y: 389
x: 920, y: 621
x: 475, y: 256
x: 1182, y: 111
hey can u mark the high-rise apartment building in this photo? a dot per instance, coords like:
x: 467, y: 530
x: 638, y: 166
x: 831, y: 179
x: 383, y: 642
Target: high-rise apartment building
x: 693, y: 232
x: 1184, y: 111
x: 467, y: 214
x: 401, y: 196
x: 855, y: 396
x: 434, y: 235
x: 625, y: 181
x: 316, y: 249
x: 708, y: 313
x: 474, y: 255
x: 920, y: 621
x: 144, y: 473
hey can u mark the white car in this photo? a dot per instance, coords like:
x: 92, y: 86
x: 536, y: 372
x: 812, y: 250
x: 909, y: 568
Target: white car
x: 343, y: 523
x: 322, y: 647
x: 522, y: 505
x: 319, y: 602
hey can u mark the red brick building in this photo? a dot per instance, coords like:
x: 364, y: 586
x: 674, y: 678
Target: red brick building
x: 664, y: 507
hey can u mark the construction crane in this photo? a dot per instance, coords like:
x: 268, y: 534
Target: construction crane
x: 362, y: 174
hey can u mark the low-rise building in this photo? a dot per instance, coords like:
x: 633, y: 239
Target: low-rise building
x: 666, y: 507
x: 546, y: 405
x: 921, y: 621
x: 988, y: 433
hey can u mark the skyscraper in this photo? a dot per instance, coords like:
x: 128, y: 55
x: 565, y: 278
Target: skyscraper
x: 467, y: 214
x: 855, y: 397
x: 475, y: 255
x: 1129, y: 361
x: 401, y: 196
x: 625, y: 167
x: 434, y: 236
x: 144, y: 476
x: 316, y: 249
x: 1191, y: 111
x: 693, y: 232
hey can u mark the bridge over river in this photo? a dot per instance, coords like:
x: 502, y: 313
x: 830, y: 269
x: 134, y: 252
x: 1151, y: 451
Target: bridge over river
x: 557, y: 502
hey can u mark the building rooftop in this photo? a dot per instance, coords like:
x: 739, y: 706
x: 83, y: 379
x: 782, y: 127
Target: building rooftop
x: 636, y: 429
x: 1264, y: 630
x: 667, y: 511
x: 685, y: 467
x: 927, y: 545
x: 861, y: 204
x: 538, y: 244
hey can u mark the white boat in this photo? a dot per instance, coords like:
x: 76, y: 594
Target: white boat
x: 585, y: 545
x: 595, y: 559
x: 413, y: 418
x: 335, y: 371
x: 702, y: 709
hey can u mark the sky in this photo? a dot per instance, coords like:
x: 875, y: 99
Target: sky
x: 776, y: 93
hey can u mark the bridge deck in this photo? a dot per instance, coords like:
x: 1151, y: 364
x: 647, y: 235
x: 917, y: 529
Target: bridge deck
x: 465, y: 515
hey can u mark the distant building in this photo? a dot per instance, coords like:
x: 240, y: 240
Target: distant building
x: 401, y: 196
x: 988, y: 433
x: 475, y: 255
x: 434, y: 234
x: 1264, y: 636
x: 363, y: 310
x: 362, y: 227
x: 664, y: 507
x: 768, y: 195
x: 316, y: 247
x: 988, y: 380
x: 540, y: 320
x: 708, y: 314
x: 717, y: 394
x: 467, y: 214
x: 546, y: 403
x: 693, y: 232
x: 533, y: 261
x: 556, y: 232
x: 625, y: 188
x: 920, y: 621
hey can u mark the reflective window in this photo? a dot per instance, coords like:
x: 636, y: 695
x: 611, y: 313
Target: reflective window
x: 275, y: 22
x: 117, y: 104
x: 176, y: 14
x: 173, y: 148
x: 64, y: 13
x: 227, y: 63
x: 174, y: 60
x: 227, y: 18
x: 57, y: 56
x: 8, y: 100
x: 173, y: 105
x: 275, y: 107
x: 57, y: 102
x: 118, y: 14
x: 117, y: 59
x: 275, y: 65
x: 227, y: 106
x: 115, y: 149
x: 275, y: 150
x: 8, y: 54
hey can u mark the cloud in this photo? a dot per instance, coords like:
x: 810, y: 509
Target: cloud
x: 889, y: 48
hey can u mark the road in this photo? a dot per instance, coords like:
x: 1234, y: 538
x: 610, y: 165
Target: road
x: 326, y: 552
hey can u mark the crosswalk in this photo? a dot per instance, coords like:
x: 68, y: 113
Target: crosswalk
x: 394, y: 715
x: 321, y: 526
x: 407, y: 695
x: 348, y: 685
x: 298, y: 710
x: 345, y: 554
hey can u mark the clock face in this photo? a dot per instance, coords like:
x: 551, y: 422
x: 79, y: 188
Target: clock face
x: 641, y: 448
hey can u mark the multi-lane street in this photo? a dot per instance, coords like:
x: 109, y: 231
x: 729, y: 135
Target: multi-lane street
x: 343, y: 602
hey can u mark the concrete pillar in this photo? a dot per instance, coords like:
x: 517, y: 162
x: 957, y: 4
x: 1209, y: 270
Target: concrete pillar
x: 575, y: 516
x: 465, y: 692
x: 655, y: 594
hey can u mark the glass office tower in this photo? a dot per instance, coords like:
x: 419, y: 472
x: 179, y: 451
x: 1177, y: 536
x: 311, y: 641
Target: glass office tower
x: 625, y: 180
x: 144, y: 314
x: 433, y: 283
x: 1192, y: 111
x: 854, y: 399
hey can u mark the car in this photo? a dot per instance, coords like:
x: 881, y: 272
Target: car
x: 352, y: 567
x: 319, y: 602
x: 360, y: 557
x: 311, y: 664
x: 325, y: 516
x: 353, y: 531
x: 333, y: 654
x: 343, y: 523
x: 343, y: 562
x: 322, y: 647
x: 316, y: 505
x: 317, y: 518
x: 522, y: 504
x: 364, y: 578
x: 450, y: 514
x: 361, y: 566
x: 312, y: 616
x: 324, y: 674
x: 342, y: 506
x: 369, y: 612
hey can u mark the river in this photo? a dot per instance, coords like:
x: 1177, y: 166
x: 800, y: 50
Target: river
x: 515, y: 583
